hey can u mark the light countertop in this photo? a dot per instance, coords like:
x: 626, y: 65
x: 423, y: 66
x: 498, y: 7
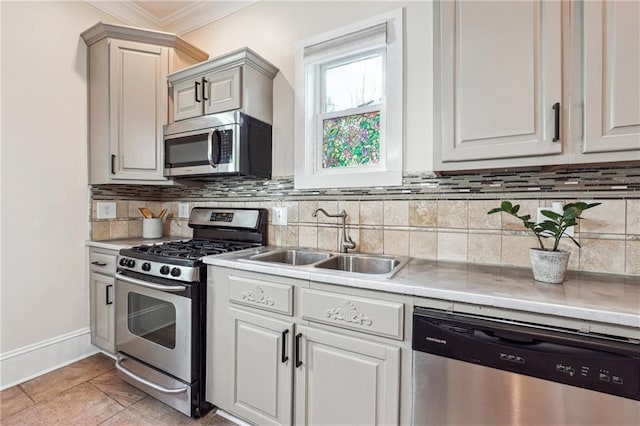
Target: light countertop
x: 606, y: 298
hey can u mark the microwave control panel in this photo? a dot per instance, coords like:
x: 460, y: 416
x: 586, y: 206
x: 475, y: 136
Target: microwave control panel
x: 226, y: 146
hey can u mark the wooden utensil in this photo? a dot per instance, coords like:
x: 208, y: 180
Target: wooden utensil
x: 145, y: 212
x: 162, y: 213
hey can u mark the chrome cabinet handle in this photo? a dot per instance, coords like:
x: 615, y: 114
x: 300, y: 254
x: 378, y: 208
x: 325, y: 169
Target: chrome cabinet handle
x: 168, y: 288
x: 155, y: 386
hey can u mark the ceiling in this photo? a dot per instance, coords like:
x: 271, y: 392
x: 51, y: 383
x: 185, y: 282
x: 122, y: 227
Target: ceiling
x: 177, y: 16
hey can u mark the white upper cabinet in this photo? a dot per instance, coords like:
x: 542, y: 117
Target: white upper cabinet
x: 500, y: 74
x: 240, y: 80
x: 129, y: 102
x: 611, y: 50
x: 535, y: 83
x: 138, y: 106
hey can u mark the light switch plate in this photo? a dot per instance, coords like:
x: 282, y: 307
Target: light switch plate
x: 279, y: 215
x: 106, y: 210
x: 183, y: 210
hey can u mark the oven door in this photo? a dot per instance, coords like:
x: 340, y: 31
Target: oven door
x: 202, y: 152
x: 154, y: 324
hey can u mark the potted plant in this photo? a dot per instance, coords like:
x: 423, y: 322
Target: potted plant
x: 548, y: 264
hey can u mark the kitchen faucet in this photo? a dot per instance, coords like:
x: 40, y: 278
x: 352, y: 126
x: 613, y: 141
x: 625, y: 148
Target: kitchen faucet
x: 345, y: 242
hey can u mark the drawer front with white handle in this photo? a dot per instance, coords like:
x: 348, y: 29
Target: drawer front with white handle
x: 261, y: 294
x: 103, y: 263
x: 358, y: 313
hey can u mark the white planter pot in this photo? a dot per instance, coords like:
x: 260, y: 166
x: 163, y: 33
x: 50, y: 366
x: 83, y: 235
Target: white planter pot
x: 549, y: 266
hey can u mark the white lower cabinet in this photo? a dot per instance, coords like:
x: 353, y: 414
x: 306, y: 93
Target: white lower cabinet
x: 261, y: 374
x: 343, y: 380
x: 102, y: 311
x: 281, y: 353
x: 102, y: 268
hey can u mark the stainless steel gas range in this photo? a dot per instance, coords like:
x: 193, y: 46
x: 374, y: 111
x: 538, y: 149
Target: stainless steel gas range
x: 161, y: 305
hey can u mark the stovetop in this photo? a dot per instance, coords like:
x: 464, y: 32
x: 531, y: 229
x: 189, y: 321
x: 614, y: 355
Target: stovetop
x: 189, y: 250
x: 216, y: 231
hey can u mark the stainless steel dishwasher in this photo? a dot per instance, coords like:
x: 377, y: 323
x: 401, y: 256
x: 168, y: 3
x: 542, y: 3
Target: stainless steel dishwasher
x: 471, y: 370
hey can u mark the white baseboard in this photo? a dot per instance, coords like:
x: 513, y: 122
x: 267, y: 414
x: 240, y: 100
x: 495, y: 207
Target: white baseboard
x: 22, y: 364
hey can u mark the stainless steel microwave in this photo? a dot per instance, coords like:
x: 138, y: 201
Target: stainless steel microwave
x: 228, y: 143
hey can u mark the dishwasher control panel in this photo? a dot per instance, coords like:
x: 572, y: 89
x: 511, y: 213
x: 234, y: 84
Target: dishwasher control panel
x: 588, y: 362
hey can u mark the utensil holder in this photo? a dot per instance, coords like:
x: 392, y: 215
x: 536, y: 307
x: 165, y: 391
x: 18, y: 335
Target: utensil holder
x: 152, y: 228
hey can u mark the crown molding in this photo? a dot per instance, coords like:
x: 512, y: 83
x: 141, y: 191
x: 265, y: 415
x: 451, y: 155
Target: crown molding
x: 182, y: 21
x: 103, y: 30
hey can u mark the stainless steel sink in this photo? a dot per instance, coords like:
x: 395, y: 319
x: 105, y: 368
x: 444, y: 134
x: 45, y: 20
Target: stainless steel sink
x: 363, y: 264
x: 292, y: 257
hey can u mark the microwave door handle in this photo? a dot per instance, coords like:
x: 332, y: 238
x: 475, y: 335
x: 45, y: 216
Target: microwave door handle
x: 214, y: 159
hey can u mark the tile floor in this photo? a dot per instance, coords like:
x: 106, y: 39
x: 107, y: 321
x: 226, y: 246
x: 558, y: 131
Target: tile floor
x: 88, y: 393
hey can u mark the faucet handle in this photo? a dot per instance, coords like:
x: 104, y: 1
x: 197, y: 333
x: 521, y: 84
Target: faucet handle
x: 349, y: 243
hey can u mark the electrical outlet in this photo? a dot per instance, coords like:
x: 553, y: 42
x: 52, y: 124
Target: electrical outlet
x: 106, y: 210
x: 183, y: 210
x: 558, y: 209
x: 279, y: 215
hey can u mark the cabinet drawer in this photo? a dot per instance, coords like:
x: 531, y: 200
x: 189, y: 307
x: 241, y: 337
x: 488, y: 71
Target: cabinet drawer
x: 261, y: 294
x: 103, y: 263
x: 358, y: 313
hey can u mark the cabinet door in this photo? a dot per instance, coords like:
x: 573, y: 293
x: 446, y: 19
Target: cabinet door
x: 102, y: 311
x: 223, y: 91
x: 612, y: 77
x: 346, y: 381
x: 500, y: 77
x: 261, y: 371
x: 187, y: 99
x: 138, y: 109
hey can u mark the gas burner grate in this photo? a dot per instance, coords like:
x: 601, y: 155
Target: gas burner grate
x: 192, y: 249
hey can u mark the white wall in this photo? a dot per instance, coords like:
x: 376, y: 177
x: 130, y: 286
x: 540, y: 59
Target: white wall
x: 272, y: 27
x: 44, y: 211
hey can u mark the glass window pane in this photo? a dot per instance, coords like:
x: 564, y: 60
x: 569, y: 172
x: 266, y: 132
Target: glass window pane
x: 353, y: 84
x: 152, y: 319
x: 351, y: 140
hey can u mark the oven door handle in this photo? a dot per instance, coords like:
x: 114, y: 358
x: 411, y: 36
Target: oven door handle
x: 169, y: 288
x: 171, y: 391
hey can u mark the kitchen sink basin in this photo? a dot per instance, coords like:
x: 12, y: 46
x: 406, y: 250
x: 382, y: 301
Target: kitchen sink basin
x: 363, y: 264
x: 292, y: 257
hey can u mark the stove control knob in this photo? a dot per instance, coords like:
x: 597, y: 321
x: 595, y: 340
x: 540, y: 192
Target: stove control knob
x: 146, y: 266
x: 123, y: 261
x: 164, y: 270
x: 175, y: 272
x: 131, y: 263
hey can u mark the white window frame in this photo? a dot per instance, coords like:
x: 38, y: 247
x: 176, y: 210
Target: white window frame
x: 313, y: 56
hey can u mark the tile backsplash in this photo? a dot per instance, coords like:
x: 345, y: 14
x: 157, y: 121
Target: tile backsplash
x: 429, y: 221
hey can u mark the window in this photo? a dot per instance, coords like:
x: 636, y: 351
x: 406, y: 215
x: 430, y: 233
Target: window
x: 349, y: 111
